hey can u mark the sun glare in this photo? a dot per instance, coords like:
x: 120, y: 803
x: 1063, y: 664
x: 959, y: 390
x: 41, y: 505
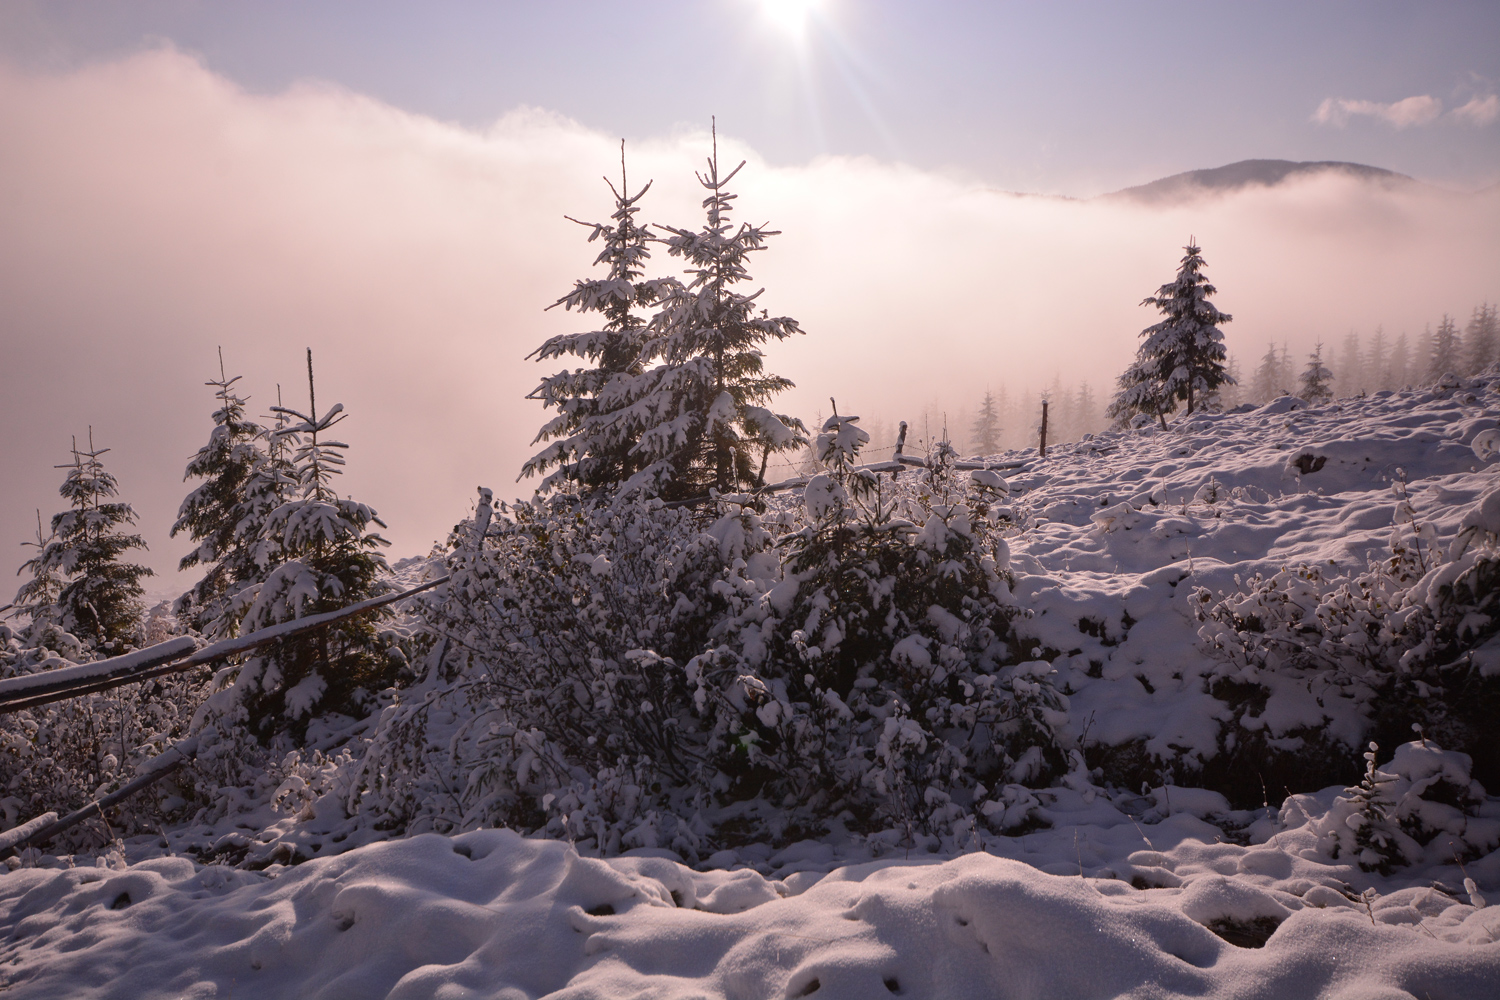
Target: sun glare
x: 790, y: 16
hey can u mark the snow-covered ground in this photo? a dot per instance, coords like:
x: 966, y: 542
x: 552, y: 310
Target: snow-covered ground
x: 489, y: 914
x: 1160, y: 891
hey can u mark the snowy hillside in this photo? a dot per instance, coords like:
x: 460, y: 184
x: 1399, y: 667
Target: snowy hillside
x: 1206, y: 625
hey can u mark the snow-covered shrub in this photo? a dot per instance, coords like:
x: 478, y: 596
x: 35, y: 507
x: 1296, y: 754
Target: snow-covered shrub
x: 1408, y: 640
x: 553, y: 695
x: 625, y: 674
x: 1419, y: 806
x: 875, y: 678
x: 63, y: 755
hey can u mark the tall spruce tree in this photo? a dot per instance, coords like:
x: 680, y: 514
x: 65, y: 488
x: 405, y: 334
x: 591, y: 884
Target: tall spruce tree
x: 987, y: 426
x: 592, y: 444
x: 1182, y: 357
x: 100, y: 597
x: 1482, y: 337
x: 1314, y: 386
x: 330, y: 560
x: 699, y: 408
x: 215, y: 513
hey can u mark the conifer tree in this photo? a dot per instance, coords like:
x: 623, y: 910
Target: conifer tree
x: 700, y: 409
x: 987, y: 426
x: 591, y: 444
x: 331, y: 560
x: 1482, y: 337
x: 1232, y: 394
x: 1085, y: 409
x: 1267, y: 382
x: 37, y: 598
x: 1316, y: 377
x: 1400, y: 363
x: 100, y: 597
x: 1349, y: 381
x: 1378, y: 362
x: 1445, y: 355
x: 1286, y: 371
x: 1182, y: 357
x: 215, y: 513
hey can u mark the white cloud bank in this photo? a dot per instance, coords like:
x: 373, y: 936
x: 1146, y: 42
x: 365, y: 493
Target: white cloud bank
x: 152, y: 210
x: 1422, y: 109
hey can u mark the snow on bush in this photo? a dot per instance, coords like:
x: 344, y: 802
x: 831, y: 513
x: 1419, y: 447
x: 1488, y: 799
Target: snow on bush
x: 1308, y: 660
x: 1418, y: 807
x: 627, y: 675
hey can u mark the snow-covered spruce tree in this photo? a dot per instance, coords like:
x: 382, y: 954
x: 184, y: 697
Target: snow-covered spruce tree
x: 1314, y: 386
x: 1482, y: 338
x: 37, y: 597
x: 987, y: 425
x: 1182, y: 358
x: 329, y: 559
x: 215, y: 513
x: 591, y: 442
x: 1445, y: 351
x: 700, y: 406
x: 100, y: 600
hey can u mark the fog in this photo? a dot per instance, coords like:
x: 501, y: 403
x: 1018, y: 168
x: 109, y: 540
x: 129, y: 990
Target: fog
x: 150, y: 211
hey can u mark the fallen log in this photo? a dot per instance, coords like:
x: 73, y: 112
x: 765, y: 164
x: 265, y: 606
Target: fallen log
x: 170, y: 657
x: 46, y: 826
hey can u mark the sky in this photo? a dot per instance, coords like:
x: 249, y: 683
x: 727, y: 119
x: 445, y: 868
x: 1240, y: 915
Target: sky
x: 386, y: 184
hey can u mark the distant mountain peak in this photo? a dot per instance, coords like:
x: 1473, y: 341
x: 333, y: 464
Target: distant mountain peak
x: 1247, y: 173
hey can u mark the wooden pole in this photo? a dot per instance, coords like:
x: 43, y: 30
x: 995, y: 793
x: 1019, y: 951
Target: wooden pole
x: 1043, y: 449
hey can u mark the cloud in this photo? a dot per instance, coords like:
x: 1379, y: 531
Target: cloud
x: 1478, y: 111
x: 155, y: 211
x: 1419, y: 110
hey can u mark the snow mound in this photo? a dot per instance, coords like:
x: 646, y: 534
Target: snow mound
x: 489, y: 914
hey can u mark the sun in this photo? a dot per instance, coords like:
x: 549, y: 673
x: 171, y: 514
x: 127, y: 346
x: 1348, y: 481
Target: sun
x: 791, y: 16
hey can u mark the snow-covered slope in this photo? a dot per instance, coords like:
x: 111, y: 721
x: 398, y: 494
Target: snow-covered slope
x: 1130, y: 524
x: 1157, y: 891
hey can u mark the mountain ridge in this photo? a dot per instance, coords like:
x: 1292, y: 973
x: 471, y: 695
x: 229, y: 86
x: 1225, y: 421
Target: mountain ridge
x: 1246, y: 173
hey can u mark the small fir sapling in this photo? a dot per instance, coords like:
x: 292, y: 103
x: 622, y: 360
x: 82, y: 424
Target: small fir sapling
x: 331, y: 560
x: 1316, y: 378
x: 217, y: 513
x: 1420, y: 806
x: 592, y: 438
x: 37, y: 598
x: 700, y: 408
x: 100, y: 597
x: 1182, y: 358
